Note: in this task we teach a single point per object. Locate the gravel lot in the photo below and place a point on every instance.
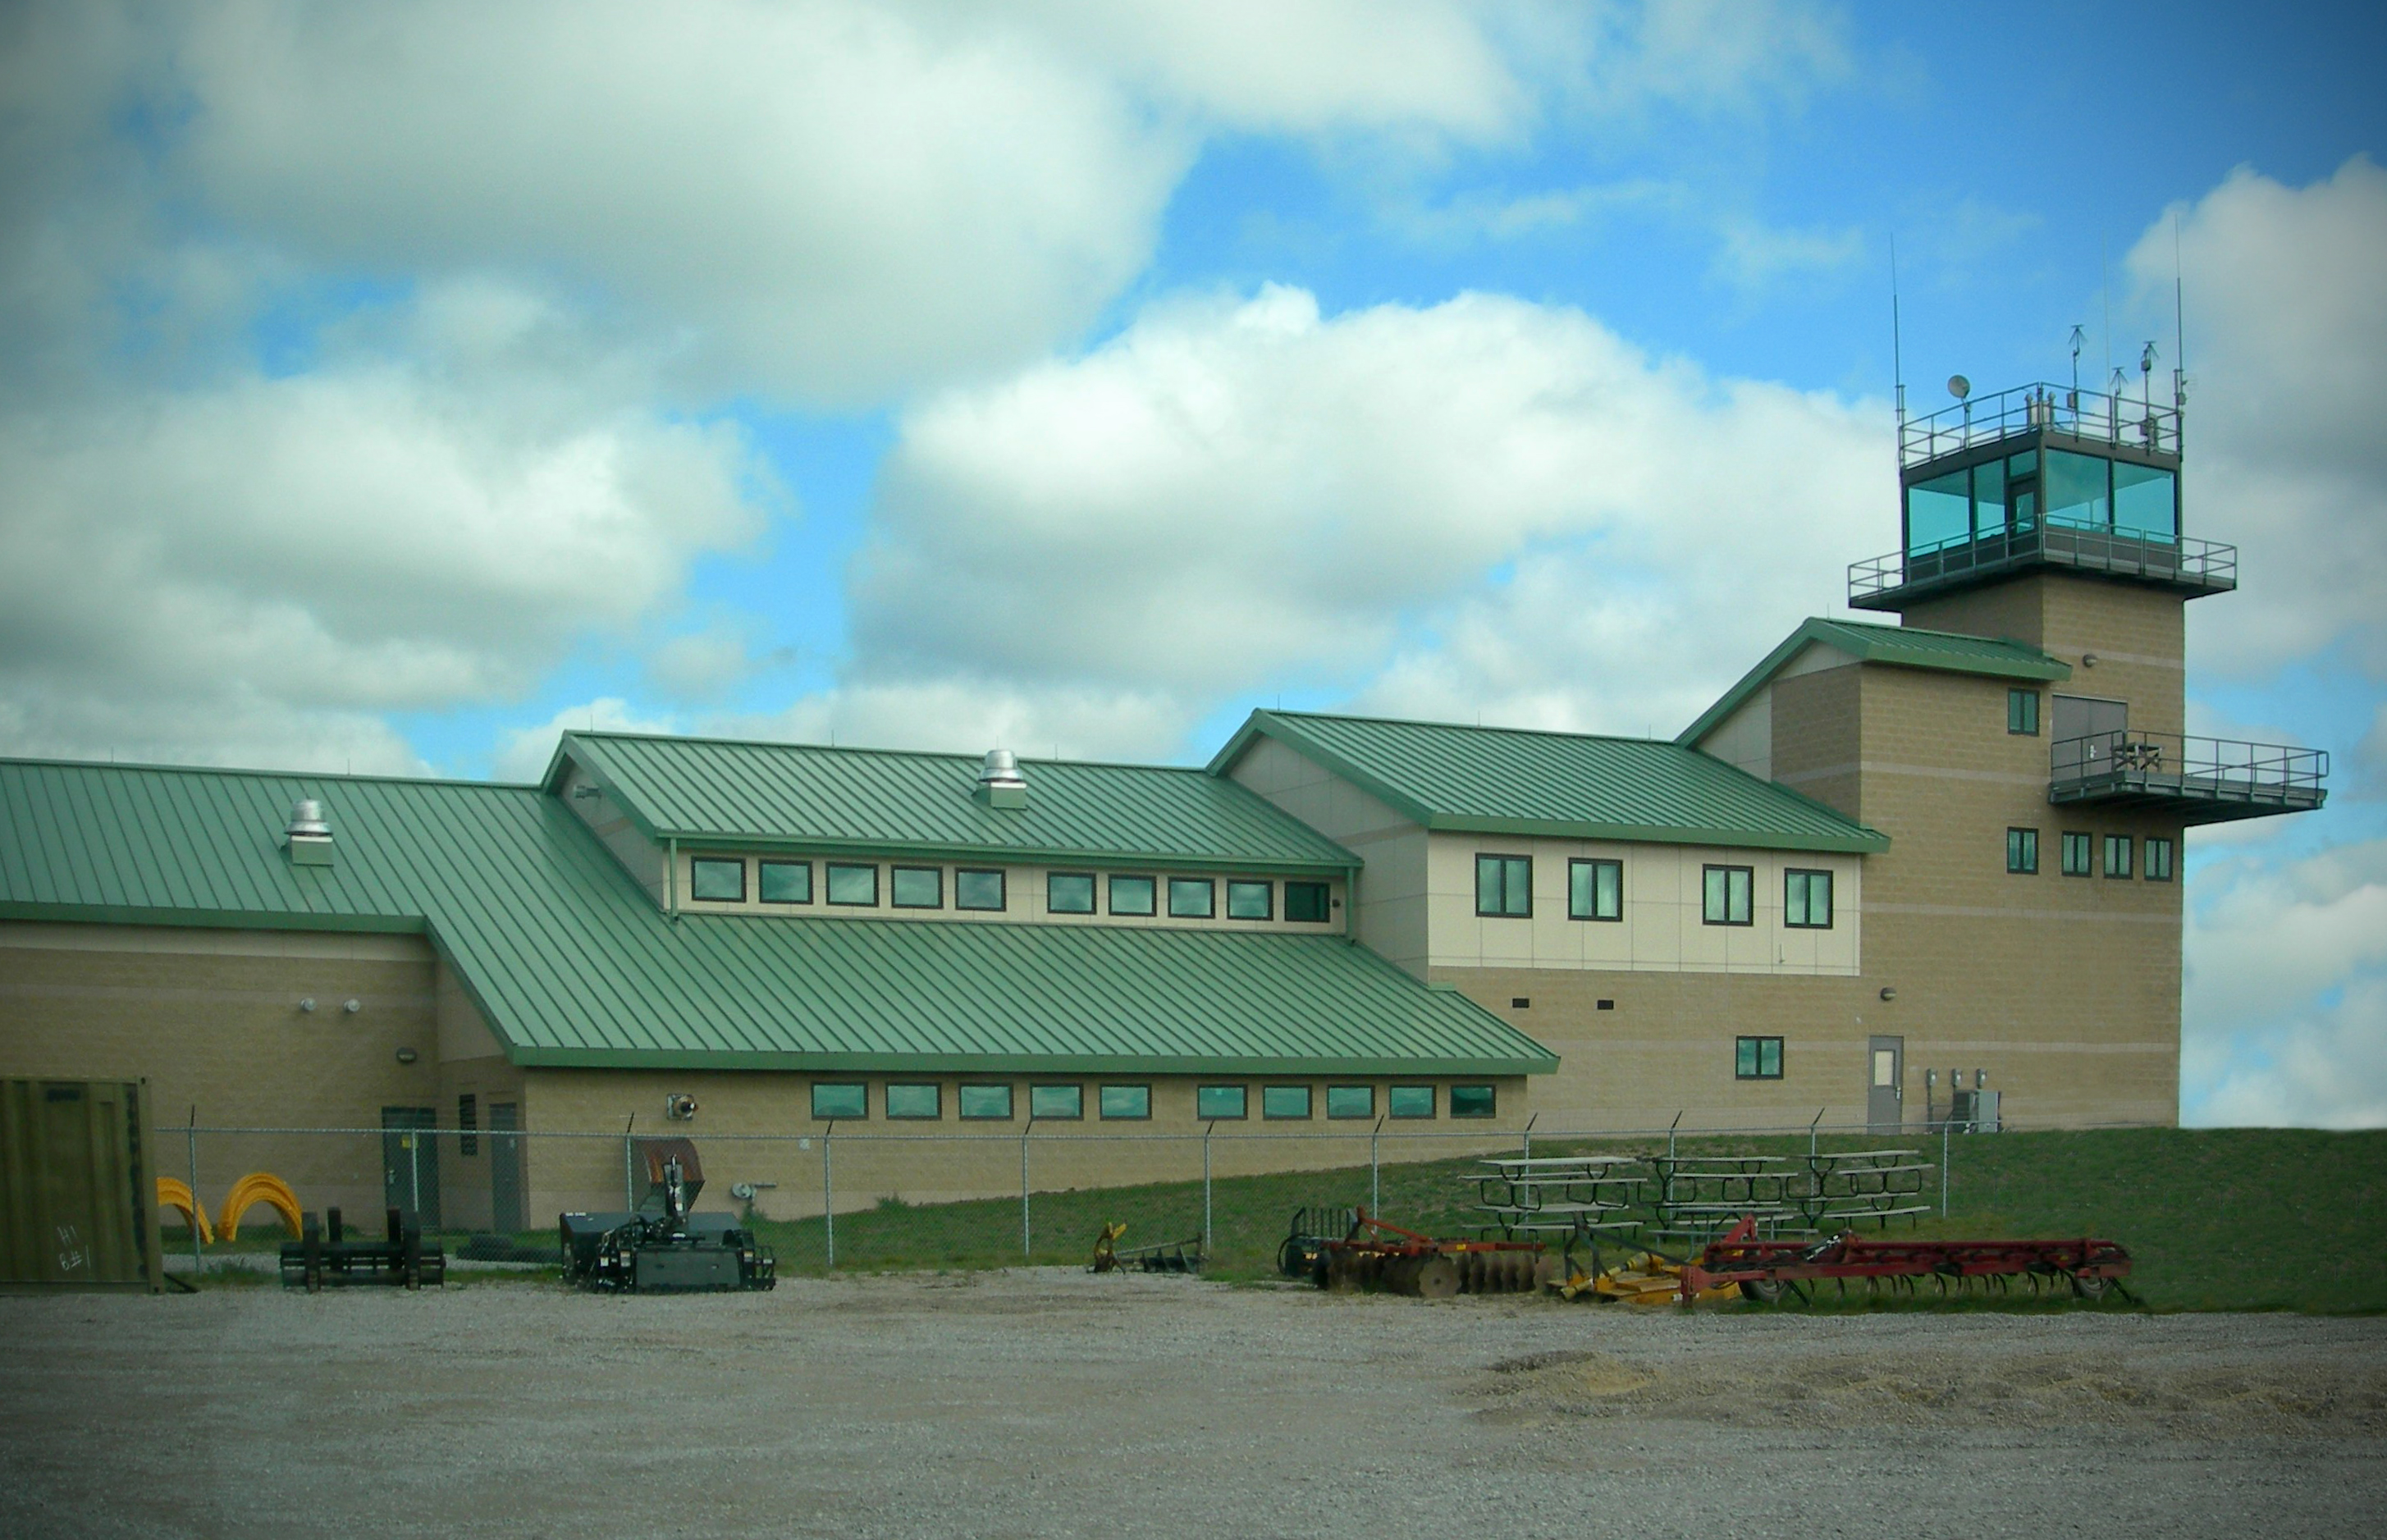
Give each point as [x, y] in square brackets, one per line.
[1049, 1403]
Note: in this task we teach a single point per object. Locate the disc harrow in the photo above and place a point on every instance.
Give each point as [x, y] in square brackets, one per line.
[1375, 1255]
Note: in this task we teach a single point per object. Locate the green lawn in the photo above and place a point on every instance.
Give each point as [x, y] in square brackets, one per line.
[2217, 1218]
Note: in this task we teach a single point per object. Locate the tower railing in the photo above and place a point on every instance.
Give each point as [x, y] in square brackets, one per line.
[2201, 566]
[2089, 416]
[2130, 758]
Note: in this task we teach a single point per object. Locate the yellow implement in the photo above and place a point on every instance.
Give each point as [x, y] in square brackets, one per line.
[1645, 1280]
[252, 1190]
[172, 1192]
[1106, 1249]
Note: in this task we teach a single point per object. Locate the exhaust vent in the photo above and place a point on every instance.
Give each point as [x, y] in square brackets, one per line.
[999, 784]
[309, 838]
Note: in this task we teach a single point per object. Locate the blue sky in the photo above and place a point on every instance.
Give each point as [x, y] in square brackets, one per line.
[387, 388]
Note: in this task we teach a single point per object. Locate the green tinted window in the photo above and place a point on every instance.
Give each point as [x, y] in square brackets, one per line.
[2077, 491]
[841, 1099]
[1127, 1101]
[916, 1098]
[978, 889]
[1060, 1103]
[852, 885]
[1504, 886]
[986, 1102]
[1725, 900]
[918, 887]
[2075, 854]
[1807, 900]
[1132, 895]
[1251, 901]
[717, 881]
[1284, 1101]
[1596, 889]
[1069, 892]
[1350, 1100]
[1938, 512]
[2159, 853]
[2145, 502]
[1989, 499]
[1220, 1100]
[1409, 1101]
[1472, 1101]
[2022, 851]
[2117, 854]
[1193, 898]
[1757, 1058]
[786, 881]
[1306, 901]
[2022, 712]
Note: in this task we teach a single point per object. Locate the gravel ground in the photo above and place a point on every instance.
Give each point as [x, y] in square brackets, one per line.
[1051, 1403]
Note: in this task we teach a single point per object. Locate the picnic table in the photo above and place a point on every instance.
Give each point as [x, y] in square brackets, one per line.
[1851, 1186]
[1557, 1194]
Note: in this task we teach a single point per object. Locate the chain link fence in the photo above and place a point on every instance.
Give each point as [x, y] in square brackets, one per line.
[871, 1200]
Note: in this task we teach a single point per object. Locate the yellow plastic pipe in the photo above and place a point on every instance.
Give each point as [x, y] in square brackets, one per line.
[253, 1189]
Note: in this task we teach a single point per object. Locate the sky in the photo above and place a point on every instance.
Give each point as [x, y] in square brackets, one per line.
[387, 388]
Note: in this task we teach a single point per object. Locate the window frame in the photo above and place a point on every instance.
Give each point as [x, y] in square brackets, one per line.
[1791, 876]
[1268, 898]
[1307, 1114]
[697, 864]
[894, 871]
[1093, 892]
[2168, 849]
[1509, 866]
[1594, 864]
[820, 1117]
[2086, 846]
[1077, 1090]
[1754, 1047]
[1392, 1094]
[936, 1090]
[1210, 887]
[1001, 891]
[1367, 1112]
[829, 883]
[2124, 846]
[2022, 851]
[1102, 1102]
[1242, 1094]
[1747, 876]
[962, 1101]
[1325, 891]
[763, 869]
[2022, 712]
[1491, 1099]
[1110, 896]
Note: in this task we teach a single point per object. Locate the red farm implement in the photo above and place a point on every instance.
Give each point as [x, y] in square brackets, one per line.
[1766, 1269]
[1374, 1254]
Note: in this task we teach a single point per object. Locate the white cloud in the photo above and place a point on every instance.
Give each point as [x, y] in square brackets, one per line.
[2287, 340]
[523, 754]
[2286, 1003]
[960, 714]
[1238, 494]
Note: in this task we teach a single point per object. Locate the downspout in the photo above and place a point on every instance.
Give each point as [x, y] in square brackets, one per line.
[670, 879]
[1351, 904]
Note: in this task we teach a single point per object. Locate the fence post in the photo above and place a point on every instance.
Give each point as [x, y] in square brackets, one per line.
[198, 1258]
[414, 1176]
[1528, 1152]
[1208, 1245]
[828, 1196]
[1943, 1168]
[1026, 1248]
[629, 1193]
[1375, 1168]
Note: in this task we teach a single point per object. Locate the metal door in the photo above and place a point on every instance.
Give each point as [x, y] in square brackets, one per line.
[2084, 734]
[505, 1169]
[409, 1164]
[1885, 1084]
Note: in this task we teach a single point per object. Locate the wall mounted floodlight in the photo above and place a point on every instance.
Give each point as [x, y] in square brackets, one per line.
[1888, 992]
[307, 1004]
[352, 1006]
[407, 1055]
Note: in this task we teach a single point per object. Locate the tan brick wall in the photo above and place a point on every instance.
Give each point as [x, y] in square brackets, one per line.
[922, 1161]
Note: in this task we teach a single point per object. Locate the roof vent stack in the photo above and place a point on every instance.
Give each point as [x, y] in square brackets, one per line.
[999, 784]
[309, 838]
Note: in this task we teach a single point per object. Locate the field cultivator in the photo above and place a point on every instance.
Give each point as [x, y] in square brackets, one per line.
[1374, 1254]
[1766, 1269]
[1178, 1257]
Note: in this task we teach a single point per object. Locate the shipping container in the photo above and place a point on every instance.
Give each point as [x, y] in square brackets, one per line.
[77, 1186]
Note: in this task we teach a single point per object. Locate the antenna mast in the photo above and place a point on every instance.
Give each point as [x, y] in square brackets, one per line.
[2178, 327]
[1897, 355]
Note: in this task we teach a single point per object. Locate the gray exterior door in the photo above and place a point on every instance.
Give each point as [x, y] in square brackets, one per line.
[505, 1169]
[1885, 1084]
[2085, 732]
[409, 1164]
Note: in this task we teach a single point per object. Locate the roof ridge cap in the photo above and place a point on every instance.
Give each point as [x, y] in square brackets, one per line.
[1473, 726]
[961, 754]
[370, 778]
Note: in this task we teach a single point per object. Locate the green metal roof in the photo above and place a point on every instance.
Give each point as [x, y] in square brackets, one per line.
[706, 790]
[1902, 646]
[1504, 781]
[572, 963]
